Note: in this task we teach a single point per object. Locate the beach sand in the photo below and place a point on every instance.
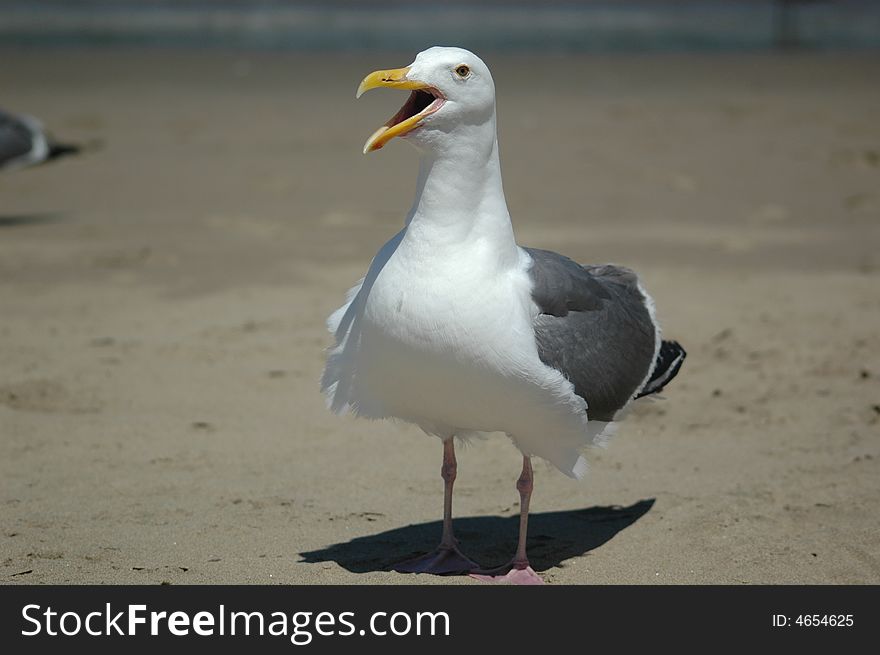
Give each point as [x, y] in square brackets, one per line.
[163, 297]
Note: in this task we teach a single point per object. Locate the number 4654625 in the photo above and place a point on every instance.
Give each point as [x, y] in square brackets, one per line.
[831, 620]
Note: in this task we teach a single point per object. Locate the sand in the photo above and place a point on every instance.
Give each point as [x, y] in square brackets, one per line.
[163, 296]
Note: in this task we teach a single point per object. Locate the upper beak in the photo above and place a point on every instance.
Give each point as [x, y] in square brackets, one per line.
[410, 115]
[394, 78]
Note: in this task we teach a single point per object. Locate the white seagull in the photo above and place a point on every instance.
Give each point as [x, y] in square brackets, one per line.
[461, 331]
[24, 142]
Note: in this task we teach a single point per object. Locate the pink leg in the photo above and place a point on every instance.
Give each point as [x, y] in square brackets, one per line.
[447, 559]
[517, 571]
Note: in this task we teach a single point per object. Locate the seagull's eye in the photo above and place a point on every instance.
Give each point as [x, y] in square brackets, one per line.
[462, 71]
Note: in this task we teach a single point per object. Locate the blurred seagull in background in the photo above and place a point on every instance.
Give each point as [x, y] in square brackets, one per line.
[24, 142]
[459, 330]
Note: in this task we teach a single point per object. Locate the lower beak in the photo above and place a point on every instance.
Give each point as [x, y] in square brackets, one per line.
[423, 102]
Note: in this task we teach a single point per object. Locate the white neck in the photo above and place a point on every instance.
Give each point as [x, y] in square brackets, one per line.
[460, 197]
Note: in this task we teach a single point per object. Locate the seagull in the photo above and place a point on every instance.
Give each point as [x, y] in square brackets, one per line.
[24, 142]
[457, 329]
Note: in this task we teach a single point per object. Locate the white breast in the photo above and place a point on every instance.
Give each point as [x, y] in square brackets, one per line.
[447, 343]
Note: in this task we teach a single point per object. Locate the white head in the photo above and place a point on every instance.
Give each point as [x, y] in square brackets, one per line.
[452, 100]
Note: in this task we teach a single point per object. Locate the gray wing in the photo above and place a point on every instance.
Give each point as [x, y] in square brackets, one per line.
[16, 139]
[595, 328]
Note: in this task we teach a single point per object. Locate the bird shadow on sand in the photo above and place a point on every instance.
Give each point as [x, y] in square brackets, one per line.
[554, 537]
[18, 220]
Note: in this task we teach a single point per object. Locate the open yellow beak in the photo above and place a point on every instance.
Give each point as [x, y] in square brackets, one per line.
[423, 102]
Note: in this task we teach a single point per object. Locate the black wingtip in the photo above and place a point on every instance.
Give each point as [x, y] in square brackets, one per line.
[669, 361]
[57, 150]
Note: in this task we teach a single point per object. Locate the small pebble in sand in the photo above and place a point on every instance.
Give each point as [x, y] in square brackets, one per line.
[726, 333]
